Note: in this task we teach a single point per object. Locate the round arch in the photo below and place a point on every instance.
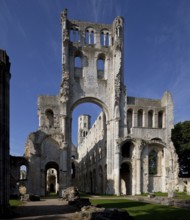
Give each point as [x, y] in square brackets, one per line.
[90, 100]
[51, 177]
[125, 178]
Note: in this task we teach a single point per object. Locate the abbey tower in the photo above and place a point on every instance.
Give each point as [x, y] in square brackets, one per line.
[128, 149]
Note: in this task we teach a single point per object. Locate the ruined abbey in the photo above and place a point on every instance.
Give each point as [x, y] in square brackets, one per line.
[128, 149]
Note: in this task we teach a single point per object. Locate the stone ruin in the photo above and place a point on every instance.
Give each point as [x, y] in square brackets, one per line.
[91, 212]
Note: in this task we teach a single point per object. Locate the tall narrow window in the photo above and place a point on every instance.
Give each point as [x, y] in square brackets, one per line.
[129, 119]
[140, 118]
[74, 34]
[89, 36]
[160, 119]
[50, 118]
[23, 172]
[100, 66]
[78, 65]
[104, 38]
[150, 119]
[152, 162]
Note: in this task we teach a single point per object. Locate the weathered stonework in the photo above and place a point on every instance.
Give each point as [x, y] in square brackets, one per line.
[128, 150]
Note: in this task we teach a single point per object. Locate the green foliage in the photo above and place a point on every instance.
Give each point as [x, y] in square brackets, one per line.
[181, 137]
[181, 140]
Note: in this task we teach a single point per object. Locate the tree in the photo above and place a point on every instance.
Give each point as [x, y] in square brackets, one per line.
[181, 140]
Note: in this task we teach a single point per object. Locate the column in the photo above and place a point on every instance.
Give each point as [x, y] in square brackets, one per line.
[117, 170]
[138, 176]
[134, 118]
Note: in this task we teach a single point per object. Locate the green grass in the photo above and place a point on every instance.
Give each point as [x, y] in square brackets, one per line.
[15, 202]
[179, 195]
[156, 193]
[144, 211]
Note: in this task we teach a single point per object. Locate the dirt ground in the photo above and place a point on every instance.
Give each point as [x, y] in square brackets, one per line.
[45, 209]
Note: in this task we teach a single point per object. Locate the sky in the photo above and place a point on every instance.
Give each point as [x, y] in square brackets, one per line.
[157, 53]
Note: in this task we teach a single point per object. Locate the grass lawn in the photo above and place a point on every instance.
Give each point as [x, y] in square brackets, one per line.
[15, 202]
[145, 211]
[178, 195]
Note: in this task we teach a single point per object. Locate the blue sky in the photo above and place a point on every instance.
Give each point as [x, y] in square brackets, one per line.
[157, 52]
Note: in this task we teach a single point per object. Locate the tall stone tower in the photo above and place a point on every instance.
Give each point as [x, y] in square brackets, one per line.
[83, 127]
[4, 132]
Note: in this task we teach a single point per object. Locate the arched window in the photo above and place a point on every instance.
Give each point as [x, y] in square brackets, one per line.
[23, 172]
[150, 119]
[104, 38]
[152, 162]
[50, 118]
[140, 118]
[89, 36]
[129, 119]
[160, 119]
[74, 34]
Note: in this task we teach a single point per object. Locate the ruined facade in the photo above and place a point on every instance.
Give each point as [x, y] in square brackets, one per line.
[4, 131]
[128, 150]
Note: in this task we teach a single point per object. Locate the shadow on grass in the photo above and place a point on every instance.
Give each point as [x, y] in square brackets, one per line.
[141, 211]
[42, 209]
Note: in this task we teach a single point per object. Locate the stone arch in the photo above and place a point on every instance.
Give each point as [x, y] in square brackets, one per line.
[93, 100]
[51, 183]
[125, 181]
[151, 160]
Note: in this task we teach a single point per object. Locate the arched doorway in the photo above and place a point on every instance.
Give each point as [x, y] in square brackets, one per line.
[125, 175]
[51, 178]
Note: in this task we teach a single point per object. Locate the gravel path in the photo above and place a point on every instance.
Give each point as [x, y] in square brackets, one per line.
[45, 209]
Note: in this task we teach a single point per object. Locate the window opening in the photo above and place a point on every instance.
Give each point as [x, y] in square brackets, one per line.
[74, 35]
[78, 62]
[152, 159]
[50, 118]
[160, 119]
[89, 36]
[104, 38]
[140, 118]
[150, 119]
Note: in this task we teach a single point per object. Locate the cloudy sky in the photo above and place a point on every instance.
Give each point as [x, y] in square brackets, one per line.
[157, 52]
